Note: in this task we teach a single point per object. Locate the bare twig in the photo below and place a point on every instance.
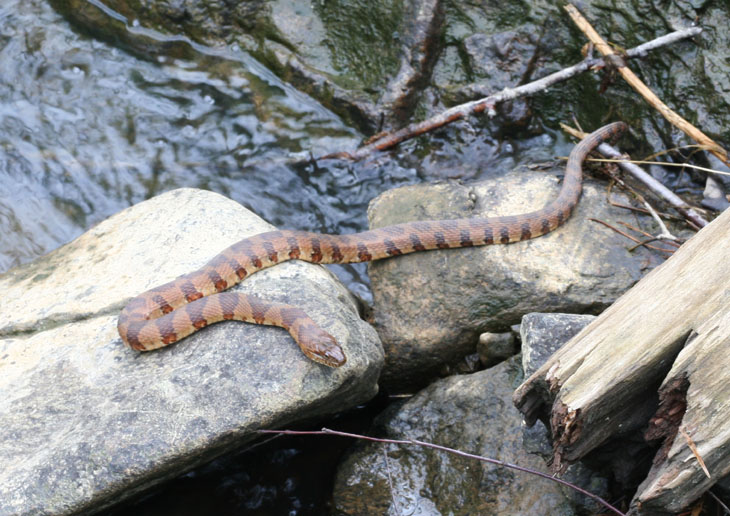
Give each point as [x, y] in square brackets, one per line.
[327, 431]
[674, 243]
[615, 229]
[488, 103]
[722, 504]
[629, 76]
[643, 210]
[643, 243]
[655, 186]
[668, 164]
[623, 233]
[664, 234]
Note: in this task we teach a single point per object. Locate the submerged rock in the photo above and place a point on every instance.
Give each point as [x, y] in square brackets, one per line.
[364, 60]
[431, 307]
[380, 64]
[86, 422]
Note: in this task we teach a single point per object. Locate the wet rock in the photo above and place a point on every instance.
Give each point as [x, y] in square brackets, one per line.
[472, 413]
[542, 334]
[493, 348]
[500, 61]
[714, 196]
[430, 307]
[85, 421]
[503, 57]
[378, 63]
[417, 48]
[369, 73]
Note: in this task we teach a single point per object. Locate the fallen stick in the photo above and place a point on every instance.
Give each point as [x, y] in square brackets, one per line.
[488, 103]
[641, 88]
[626, 235]
[655, 186]
[672, 328]
[652, 184]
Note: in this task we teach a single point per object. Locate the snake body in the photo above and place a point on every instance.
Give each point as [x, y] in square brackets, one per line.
[170, 312]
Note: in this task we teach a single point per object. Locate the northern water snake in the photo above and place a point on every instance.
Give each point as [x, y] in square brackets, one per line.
[170, 312]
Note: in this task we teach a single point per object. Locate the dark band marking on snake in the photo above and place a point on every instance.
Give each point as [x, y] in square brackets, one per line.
[173, 311]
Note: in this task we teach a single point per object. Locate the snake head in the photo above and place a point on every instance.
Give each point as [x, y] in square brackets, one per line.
[320, 346]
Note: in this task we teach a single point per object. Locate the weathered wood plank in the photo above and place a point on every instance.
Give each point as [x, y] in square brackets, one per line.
[604, 381]
[699, 381]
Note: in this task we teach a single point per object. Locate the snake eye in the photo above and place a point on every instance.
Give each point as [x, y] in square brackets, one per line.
[320, 346]
[335, 356]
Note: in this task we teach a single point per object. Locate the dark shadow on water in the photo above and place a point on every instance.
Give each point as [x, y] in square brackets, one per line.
[292, 475]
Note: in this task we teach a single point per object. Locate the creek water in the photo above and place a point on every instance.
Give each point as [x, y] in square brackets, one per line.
[87, 129]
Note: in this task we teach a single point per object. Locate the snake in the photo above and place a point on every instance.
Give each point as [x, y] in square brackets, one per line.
[170, 312]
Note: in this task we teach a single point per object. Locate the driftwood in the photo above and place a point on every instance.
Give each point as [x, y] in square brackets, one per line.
[658, 360]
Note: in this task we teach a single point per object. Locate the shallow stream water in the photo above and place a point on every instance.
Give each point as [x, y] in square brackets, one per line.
[87, 129]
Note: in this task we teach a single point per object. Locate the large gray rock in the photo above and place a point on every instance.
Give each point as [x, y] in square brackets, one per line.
[85, 421]
[431, 307]
[471, 413]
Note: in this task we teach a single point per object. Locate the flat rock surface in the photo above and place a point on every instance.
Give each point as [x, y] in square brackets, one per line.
[86, 422]
[431, 307]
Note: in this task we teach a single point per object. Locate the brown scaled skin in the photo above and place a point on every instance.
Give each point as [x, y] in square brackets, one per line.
[170, 312]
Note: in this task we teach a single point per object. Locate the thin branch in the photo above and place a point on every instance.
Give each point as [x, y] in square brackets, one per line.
[674, 243]
[664, 234]
[652, 184]
[488, 103]
[641, 88]
[327, 431]
[614, 228]
[643, 210]
[393, 494]
[655, 186]
[643, 243]
[623, 233]
[714, 496]
[666, 164]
